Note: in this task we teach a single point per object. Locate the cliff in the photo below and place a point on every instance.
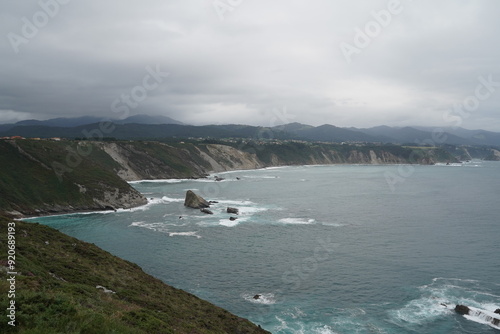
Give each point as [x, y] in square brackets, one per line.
[64, 285]
[52, 177]
[44, 177]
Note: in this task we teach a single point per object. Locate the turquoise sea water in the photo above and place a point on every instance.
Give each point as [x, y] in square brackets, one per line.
[329, 249]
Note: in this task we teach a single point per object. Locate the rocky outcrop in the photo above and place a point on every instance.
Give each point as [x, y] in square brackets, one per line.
[462, 309]
[194, 201]
[483, 315]
[114, 198]
[233, 210]
[205, 210]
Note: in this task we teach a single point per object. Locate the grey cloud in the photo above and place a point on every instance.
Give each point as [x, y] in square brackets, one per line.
[262, 56]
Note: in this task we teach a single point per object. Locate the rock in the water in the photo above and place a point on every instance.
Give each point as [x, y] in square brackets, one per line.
[256, 297]
[497, 311]
[194, 201]
[462, 309]
[232, 218]
[204, 210]
[232, 210]
[219, 178]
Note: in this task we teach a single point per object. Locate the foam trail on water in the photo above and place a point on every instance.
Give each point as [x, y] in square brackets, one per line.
[158, 181]
[228, 223]
[185, 234]
[157, 227]
[297, 221]
[170, 199]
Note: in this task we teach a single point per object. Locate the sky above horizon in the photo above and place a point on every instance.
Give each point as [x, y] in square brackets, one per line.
[346, 63]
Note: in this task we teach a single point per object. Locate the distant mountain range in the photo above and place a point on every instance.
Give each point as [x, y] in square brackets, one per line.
[156, 127]
[66, 122]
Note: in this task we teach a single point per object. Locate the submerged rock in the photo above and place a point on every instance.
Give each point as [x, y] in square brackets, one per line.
[208, 212]
[232, 218]
[194, 201]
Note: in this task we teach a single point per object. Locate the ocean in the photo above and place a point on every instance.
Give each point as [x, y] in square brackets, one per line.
[322, 249]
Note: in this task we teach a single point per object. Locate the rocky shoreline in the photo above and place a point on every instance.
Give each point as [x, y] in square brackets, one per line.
[45, 178]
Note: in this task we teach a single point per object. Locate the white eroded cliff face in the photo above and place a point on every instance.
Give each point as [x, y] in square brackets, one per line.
[154, 160]
[116, 153]
[223, 158]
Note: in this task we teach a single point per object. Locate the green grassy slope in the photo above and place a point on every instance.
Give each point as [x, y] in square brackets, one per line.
[56, 292]
[45, 176]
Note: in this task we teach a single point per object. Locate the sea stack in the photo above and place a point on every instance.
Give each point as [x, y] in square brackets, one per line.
[462, 309]
[195, 201]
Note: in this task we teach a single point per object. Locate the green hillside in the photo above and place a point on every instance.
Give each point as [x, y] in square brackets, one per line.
[55, 292]
[47, 176]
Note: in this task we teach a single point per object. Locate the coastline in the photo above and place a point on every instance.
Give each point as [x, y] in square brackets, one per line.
[209, 174]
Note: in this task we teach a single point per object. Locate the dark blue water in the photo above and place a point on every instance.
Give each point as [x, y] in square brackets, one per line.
[329, 249]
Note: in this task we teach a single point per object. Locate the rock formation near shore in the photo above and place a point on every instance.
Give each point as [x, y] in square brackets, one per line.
[195, 201]
[232, 210]
[484, 315]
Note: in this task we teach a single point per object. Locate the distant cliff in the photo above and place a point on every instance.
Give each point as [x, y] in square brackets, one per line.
[43, 176]
[154, 160]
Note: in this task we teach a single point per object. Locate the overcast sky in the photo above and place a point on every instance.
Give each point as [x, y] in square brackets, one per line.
[258, 62]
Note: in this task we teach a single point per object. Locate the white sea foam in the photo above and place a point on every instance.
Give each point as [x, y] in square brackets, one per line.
[170, 199]
[261, 177]
[202, 180]
[157, 227]
[234, 202]
[325, 330]
[422, 310]
[158, 181]
[185, 234]
[482, 316]
[297, 221]
[440, 164]
[250, 210]
[229, 223]
[264, 298]
[333, 224]
[276, 167]
[440, 298]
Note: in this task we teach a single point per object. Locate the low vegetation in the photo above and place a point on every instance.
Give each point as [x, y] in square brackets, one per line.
[55, 292]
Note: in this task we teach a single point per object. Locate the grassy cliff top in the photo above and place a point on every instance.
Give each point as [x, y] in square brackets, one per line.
[55, 291]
